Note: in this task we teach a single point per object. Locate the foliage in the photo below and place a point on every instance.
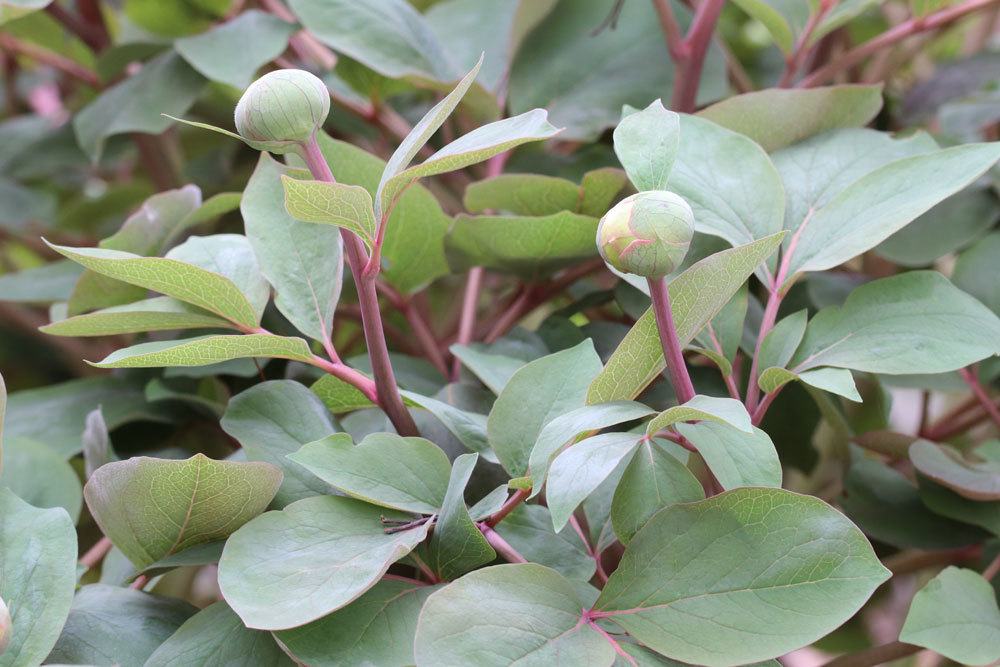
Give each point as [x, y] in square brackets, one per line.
[491, 332]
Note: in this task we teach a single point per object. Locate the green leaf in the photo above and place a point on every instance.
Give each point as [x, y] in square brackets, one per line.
[322, 552]
[916, 322]
[205, 350]
[273, 419]
[404, 46]
[951, 225]
[541, 621]
[886, 506]
[532, 195]
[416, 138]
[407, 474]
[780, 343]
[529, 247]
[779, 117]
[413, 249]
[726, 411]
[230, 256]
[103, 617]
[600, 187]
[975, 480]
[303, 262]
[457, 545]
[784, 20]
[580, 469]
[476, 146]
[946, 502]
[377, 629]
[736, 458]
[535, 395]
[871, 209]
[758, 558]
[151, 508]
[216, 636]
[583, 70]
[840, 14]
[164, 85]
[646, 143]
[529, 530]
[337, 204]
[837, 381]
[340, 396]
[654, 479]
[40, 476]
[468, 427]
[734, 190]
[15, 9]
[956, 615]
[156, 314]
[494, 366]
[697, 295]
[181, 280]
[56, 414]
[566, 428]
[38, 560]
[975, 271]
[42, 284]
[221, 54]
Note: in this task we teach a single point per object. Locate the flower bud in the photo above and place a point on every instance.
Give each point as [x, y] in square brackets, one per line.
[647, 234]
[282, 110]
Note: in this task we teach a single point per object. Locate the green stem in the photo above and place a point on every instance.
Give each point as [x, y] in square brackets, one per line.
[371, 316]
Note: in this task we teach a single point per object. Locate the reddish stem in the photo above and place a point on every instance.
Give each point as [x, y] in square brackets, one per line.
[673, 353]
[980, 393]
[139, 582]
[500, 545]
[467, 320]
[371, 316]
[892, 36]
[96, 553]
[42, 55]
[687, 75]
[794, 62]
[515, 499]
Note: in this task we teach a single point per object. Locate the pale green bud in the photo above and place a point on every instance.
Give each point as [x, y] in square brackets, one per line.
[282, 110]
[647, 234]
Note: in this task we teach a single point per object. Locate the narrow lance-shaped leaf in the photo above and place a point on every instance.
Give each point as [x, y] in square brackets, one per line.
[476, 146]
[758, 558]
[171, 277]
[419, 136]
[839, 381]
[206, 350]
[161, 313]
[337, 204]
[646, 144]
[696, 296]
[151, 508]
[285, 569]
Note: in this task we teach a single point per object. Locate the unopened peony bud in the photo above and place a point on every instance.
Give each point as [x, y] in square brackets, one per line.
[647, 234]
[282, 110]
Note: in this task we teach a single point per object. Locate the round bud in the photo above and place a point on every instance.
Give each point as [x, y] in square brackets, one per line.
[647, 234]
[282, 110]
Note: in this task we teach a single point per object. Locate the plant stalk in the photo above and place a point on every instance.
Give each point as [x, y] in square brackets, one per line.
[371, 316]
[501, 546]
[969, 376]
[673, 353]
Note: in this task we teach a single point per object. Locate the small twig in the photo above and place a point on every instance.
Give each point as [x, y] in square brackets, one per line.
[905, 562]
[88, 33]
[969, 376]
[96, 553]
[509, 506]
[992, 569]
[794, 62]
[891, 37]
[43, 56]
[394, 526]
[876, 655]
[139, 582]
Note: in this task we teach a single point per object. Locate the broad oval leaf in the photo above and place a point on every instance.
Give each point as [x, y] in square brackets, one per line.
[152, 508]
[377, 628]
[736, 458]
[646, 144]
[529, 530]
[407, 474]
[215, 637]
[38, 561]
[916, 322]
[287, 568]
[337, 204]
[976, 480]
[541, 622]
[457, 544]
[726, 411]
[536, 394]
[751, 561]
[956, 615]
[40, 476]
